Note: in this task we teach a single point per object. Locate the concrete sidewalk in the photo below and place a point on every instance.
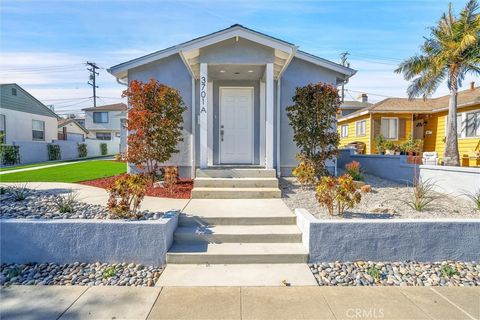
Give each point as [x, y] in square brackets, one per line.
[76, 302]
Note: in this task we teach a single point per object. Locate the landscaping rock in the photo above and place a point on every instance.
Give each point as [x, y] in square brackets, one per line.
[360, 273]
[95, 274]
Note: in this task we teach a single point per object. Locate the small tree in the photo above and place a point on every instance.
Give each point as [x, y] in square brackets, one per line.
[313, 118]
[154, 124]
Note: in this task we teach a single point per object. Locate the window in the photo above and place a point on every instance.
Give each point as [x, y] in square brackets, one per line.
[3, 132]
[473, 124]
[38, 130]
[344, 131]
[100, 117]
[360, 128]
[103, 135]
[389, 128]
[14, 91]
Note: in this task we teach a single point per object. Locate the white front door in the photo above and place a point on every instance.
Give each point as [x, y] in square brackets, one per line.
[236, 126]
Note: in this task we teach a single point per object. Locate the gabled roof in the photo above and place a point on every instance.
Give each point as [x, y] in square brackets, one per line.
[109, 107]
[189, 51]
[465, 98]
[64, 122]
[19, 105]
[352, 104]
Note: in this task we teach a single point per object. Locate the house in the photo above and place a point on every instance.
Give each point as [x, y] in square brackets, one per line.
[350, 106]
[236, 84]
[105, 122]
[399, 118]
[70, 130]
[23, 117]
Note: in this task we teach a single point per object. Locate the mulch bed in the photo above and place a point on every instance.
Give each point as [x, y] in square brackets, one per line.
[181, 190]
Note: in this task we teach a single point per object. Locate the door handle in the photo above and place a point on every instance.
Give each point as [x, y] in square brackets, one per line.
[221, 135]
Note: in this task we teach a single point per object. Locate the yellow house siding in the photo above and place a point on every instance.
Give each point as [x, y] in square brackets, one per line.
[408, 126]
[352, 137]
[436, 141]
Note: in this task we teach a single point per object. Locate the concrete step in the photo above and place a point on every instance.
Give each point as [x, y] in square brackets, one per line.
[236, 193]
[239, 233]
[234, 253]
[235, 173]
[210, 220]
[236, 183]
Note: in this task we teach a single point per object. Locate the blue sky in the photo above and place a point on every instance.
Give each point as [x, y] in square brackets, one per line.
[43, 44]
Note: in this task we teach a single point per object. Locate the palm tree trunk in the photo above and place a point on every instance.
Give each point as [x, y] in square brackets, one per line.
[450, 155]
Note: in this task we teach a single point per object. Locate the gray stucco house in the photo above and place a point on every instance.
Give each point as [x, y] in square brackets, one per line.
[236, 84]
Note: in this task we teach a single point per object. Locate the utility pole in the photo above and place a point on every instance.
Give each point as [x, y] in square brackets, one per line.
[93, 74]
[345, 63]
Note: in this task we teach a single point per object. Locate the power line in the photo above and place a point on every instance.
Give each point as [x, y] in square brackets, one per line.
[369, 93]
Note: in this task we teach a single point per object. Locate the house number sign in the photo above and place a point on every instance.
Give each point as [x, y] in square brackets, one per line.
[203, 93]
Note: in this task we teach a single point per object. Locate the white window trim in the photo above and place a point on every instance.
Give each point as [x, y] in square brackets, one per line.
[341, 131]
[356, 127]
[398, 127]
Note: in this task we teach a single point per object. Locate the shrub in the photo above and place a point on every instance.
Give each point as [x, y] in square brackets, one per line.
[475, 197]
[109, 272]
[82, 150]
[354, 170]
[304, 172]
[126, 194]
[312, 117]
[366, 188]
[374, 272]
[170, 177]
[65, 204]
[154, 124]
[448, 271]
[19, 192]
[422, 196]
[380, 143]
[339, 193]
[412, 145]
[389, 145]
[9, 155]
[103, 149]
[54, 152]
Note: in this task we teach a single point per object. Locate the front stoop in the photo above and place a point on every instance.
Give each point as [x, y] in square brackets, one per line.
[235, 183]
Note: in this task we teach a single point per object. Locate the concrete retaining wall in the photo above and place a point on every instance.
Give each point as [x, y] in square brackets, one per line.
[394, 168]
[455, 180]
[67, 241]
[389, 240]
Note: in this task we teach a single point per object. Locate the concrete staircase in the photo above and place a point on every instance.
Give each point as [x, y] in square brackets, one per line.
[235, 183]
[237, 231]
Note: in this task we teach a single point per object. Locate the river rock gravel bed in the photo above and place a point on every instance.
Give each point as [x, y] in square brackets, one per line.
[386, 201]
[81, 274]
[368, 273]
[39, 204]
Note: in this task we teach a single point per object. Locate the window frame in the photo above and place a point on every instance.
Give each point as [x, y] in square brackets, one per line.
[357, 134]
[103, 133]
[396, 131]
[100, 112]
[465, 120]
[4, 139]
[33, 136]
[341, 131]
[463, 128]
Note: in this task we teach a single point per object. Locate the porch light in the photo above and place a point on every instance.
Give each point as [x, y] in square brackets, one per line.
[250, 71]
[222, 71]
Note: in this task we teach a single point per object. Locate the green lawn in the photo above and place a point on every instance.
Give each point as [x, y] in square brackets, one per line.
[75, 172]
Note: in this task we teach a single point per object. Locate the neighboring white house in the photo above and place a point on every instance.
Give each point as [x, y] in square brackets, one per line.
[107, 123]
[71, 130]
[236, 84]
[23, 117]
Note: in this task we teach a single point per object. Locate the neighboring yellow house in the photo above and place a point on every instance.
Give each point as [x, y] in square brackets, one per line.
[398, 118]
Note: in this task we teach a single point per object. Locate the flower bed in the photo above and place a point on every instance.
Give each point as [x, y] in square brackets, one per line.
[81, 274]
[181, 190]
[387, 200]
[368, 273]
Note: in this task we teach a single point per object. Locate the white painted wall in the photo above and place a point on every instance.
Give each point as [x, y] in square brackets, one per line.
[93, 146]
[19, 126]
[454, 180]
[72, 128]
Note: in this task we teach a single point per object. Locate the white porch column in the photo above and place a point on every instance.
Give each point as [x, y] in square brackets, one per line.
[203, 115]
[269, 132]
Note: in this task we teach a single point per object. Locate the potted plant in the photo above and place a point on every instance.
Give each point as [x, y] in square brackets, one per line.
[380, 143]
[389, 146]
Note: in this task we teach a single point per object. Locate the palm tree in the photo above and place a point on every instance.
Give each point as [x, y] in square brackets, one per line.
[450, 53]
